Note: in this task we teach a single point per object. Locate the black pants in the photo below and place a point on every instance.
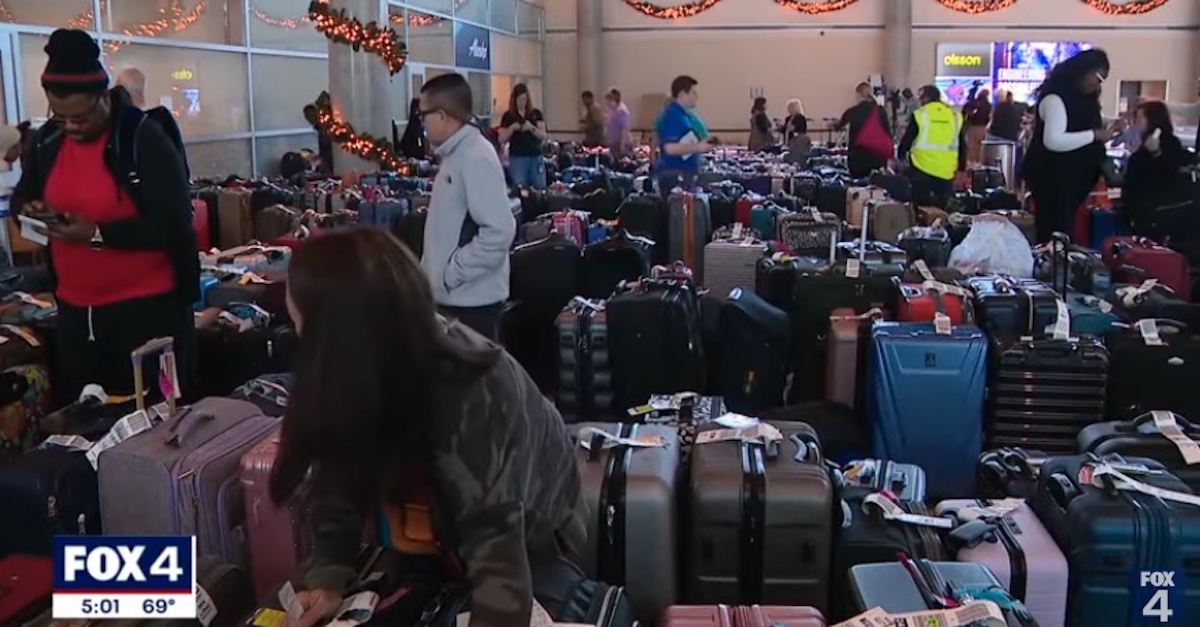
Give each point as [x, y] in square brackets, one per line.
[1055, 203]
[862, 163]
[669, 180]
[483, 320]
[929, 191]
[94, 343]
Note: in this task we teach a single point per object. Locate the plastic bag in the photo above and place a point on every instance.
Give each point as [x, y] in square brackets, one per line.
[993, 246]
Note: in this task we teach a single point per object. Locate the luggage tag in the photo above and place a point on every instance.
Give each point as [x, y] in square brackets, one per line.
[1165, 422]
[761, 431]
[1125, 482]
[892, 511]
[206, 608]
[971, 613]
[611, 440]
[853, 268]
[71, 442]
[1148, 328]
[23, 334]
[125, 428]
[1061, 329]
[737, 230]
[1099, 303]
[923, 269]
[942, 325]
[816, 214]
[30, 300]
[874, 617]
[733, 420]
[932, 285]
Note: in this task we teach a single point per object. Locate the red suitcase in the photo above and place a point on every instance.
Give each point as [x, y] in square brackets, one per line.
[741, 211]
[741, 616]
[1135, 259]
[201, 226]
[921, 304]
[25, 585]
[276, 534]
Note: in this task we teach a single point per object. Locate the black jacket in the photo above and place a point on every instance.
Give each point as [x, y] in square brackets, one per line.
[163, 197]
[1153, 181]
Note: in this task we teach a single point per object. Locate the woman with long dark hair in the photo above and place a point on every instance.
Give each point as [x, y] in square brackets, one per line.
[1152, 176]
[414, 144]
[414, 420]
[523, 128]
[760, 125]
[1066, 151]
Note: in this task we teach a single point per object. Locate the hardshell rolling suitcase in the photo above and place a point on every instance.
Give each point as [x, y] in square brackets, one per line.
[47, 492]
[1142, 359]
[942, 432]
[1013, 307]
[926, 302]
[183, 473]
[742, 616]
[893, 588]
[585, 387]
[631, 492]
[888, 219]
[655, 342]
[227, 587]
[689, 227]
[759, 520]
[844, 354]
[905, 481]
[930, 244]
[1163, 436]
[808, 231]
[732, 263]
[1109, 535]
[1020, 553]
[275, 534]
[754, 353]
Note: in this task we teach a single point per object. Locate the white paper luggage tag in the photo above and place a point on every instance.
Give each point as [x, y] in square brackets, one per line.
[1148, 327]
[853, 268]
[1165, 422]
[1125, 482]
[737, 230]
[125, 428]
[816, 214]
[892, 511]
[942, 325]
[72, 442]
[923, 269]
[1061, 329]
[23, 334]
[931, 285]
[355, 610]
[761, 431]
[206, 608]
[874, 617]
[610, 440]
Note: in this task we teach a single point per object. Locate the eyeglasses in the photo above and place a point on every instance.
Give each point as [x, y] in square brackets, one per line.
[1100, 77]
[424, 113]
[82, 117]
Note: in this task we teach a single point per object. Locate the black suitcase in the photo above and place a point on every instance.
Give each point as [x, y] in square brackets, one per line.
[585, 386]
[897, 186]
[754, 347]
[831, 198]
[929, 244]
[967, 202]
[228, 595]
[880, 257]
[986, 177]
[646, 215]
[227, 358]
[905, 481]
[759, 521]
[546, 273]
[655, 342]
[47, 492]
[1109, 534]
[607, 263]
[1009, 472]
[1140, 371]
[1133, 302]
[722, 210]
[1043, 392]
[775, 277]
[1006, 307]
[1142, 437]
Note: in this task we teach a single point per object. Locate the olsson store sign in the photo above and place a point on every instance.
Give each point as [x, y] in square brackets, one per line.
[965, 60]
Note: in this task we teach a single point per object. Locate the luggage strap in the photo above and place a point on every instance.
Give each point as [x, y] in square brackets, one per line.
[1018, 578]
[752, 532]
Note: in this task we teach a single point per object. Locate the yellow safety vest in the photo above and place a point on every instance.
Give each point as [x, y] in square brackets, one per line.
[936, 150]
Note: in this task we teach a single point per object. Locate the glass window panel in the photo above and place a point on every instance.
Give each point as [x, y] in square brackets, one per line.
[206, 89]
[270, 150]
[282, 24]
[502, 14]
[472, 10]
[445, 6]
[535, 92]
[399, 86]
[506, 54]
[481, 93]
[282, 86]
[430, 39]
[210, 21]
[530, 57]
[502, 85]
[33, 61]
[64, 13]
[216, 160]
[528, 19]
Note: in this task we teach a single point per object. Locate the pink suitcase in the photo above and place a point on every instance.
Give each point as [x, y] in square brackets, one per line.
[742, 616]
[1043, 588]
[276, 534]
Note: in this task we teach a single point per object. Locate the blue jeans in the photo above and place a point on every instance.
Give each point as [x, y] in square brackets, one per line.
[527, 172]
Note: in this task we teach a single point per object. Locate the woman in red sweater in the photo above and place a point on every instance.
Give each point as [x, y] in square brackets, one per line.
[121, 247]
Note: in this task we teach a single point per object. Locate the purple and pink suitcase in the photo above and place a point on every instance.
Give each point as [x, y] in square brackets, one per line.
[1023, 557]
[181, 477]
[275, 533]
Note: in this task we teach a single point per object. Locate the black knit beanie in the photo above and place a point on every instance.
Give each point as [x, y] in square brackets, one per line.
[74, 63]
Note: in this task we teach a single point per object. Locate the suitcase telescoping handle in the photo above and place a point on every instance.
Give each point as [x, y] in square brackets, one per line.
[165, 347]
[1060, 250]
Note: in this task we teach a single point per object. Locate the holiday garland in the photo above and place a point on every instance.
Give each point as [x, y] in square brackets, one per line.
[1133, 7]
[815, 7]
[337, 26]
[367, 147]
[975, 7]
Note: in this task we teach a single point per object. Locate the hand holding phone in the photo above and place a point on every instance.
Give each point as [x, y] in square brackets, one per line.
[48, 218]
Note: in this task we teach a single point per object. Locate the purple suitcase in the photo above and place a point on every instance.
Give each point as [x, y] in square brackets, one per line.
[1043, 586]
[181, 477]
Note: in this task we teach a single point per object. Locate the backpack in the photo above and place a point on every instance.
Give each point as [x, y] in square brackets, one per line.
[127, 128]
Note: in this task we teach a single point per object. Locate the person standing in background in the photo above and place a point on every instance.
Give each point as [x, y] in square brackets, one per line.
[523, 128]
[1006, 118]
[413, 144]
[681, 137]
[977, 114]
[870, 136]
[933, 143]
[324, 141]
[617, 137]
[795, 134]
[470, 227]
[134, 82]
[760, 126]
[592, 122]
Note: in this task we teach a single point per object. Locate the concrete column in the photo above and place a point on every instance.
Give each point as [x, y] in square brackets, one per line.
[589, 27]
[358, 86]
[897, 49]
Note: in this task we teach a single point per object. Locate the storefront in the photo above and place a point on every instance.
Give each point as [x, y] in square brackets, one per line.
[238, 73]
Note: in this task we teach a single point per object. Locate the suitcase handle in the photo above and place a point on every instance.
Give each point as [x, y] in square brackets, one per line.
[808, 450]
[1148, 418]
[1061, 490]
[1052, 348]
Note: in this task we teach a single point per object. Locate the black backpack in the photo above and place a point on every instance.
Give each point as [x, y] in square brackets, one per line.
[127, 128]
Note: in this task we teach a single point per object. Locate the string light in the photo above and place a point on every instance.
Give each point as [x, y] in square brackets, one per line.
[815, 8]
[366, 147]
[414, 18]
[677, 12]
[171, 18]
[976, 7]
[1134, 7]
[384, 42]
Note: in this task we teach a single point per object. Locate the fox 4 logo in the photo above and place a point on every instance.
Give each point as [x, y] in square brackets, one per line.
[1158, 596]
[120, 563]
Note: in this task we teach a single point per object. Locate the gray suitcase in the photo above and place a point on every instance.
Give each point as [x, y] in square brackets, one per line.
[759, 522]
[631, 493]
[585, 388]
[689, 227]
[731, 263]
[181, 476]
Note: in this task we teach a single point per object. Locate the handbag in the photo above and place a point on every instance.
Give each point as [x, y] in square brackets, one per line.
[874, 138]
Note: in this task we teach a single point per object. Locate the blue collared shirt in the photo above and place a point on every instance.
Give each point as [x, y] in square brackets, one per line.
[673, 124]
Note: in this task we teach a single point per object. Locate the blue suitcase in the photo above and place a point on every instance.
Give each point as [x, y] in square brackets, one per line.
[208, 280]
[925, 399]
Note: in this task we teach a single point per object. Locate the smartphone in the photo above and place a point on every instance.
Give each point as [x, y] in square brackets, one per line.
[1157, 133]
[47, 217]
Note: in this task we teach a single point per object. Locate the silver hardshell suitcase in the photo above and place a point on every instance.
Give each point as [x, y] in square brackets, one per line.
[181, 476]
[730, 263]
[631, 493]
